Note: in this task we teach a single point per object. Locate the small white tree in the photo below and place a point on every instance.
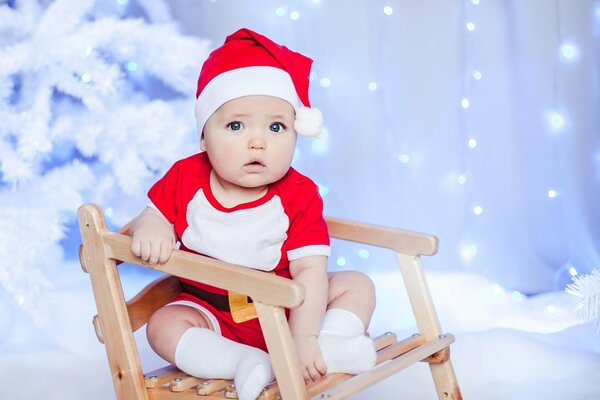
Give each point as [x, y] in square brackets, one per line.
[93, 106]
[587, 289]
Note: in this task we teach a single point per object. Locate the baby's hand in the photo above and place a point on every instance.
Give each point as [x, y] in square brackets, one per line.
[311, 361]
[153, 238]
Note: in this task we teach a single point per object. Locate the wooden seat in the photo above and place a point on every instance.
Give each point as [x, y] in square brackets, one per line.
[117, 318]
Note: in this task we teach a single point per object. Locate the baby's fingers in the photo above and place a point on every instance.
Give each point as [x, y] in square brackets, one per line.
[314, 374]
[165, 252]
[321, 367]
[145, 250]
[136, 247]
[154, 252]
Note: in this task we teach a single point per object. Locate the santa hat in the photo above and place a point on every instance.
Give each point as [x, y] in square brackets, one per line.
[251, 64]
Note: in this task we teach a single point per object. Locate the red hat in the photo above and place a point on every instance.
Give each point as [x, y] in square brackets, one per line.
[251, 64]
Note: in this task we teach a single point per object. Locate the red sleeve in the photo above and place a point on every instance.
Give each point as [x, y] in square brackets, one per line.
[308, 234]
[163, 193]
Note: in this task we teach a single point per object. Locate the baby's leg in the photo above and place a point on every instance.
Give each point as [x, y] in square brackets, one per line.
[342, 340]
[183, 336]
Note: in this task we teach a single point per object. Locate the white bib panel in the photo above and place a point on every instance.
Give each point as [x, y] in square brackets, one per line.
[250, 237]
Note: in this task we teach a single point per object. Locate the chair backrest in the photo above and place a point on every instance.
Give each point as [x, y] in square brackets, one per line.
[155, 295]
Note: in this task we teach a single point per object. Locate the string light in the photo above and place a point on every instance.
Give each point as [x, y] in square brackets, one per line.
[325, 82]
[468, 252]
[556, 121]
[404, 158]
[323, 190]
[295, 15]
[363, 253]
[568, 51]
[280, 11]
[497, 289]
[86, 77]
[552, 310]
[516, 295]
[341, 261]
[372, 86]
[387, 10]
[319, 145]
[132, 66]
[122, 2]
[551, 193]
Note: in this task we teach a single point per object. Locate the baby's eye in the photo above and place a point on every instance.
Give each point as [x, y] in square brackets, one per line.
[235, 125]
[277, 127]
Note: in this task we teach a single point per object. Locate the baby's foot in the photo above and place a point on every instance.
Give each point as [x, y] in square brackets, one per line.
[349, 355]
[252, 374]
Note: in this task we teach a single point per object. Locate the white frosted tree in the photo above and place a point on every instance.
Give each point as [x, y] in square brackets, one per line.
[587, 290]
[94, 105]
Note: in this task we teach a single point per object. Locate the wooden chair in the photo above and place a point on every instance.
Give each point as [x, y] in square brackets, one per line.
[117, 319]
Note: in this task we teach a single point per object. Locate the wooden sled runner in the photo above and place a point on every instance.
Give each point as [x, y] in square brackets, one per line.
[117, 318]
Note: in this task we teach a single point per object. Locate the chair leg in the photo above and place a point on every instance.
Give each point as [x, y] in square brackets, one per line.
[428, 324]
[282, 351]
[113, 320]
[445, 381]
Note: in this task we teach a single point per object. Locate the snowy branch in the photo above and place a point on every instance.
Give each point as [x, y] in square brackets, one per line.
[81, 81]
[587, 289]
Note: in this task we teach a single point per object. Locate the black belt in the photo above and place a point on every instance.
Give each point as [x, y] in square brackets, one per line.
[218, 301]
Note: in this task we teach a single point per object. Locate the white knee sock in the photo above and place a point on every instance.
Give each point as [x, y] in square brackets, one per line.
[343, 343]
[204, 353]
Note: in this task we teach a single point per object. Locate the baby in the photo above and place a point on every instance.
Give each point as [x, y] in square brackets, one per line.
[240, 201]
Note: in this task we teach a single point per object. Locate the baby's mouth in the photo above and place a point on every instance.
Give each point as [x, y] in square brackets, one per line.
[254, 165]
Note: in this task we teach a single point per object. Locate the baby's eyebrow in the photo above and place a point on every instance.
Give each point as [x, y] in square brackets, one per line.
[236, 115]
[277, 116]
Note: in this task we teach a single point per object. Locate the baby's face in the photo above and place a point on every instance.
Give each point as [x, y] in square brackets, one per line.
[250, 140]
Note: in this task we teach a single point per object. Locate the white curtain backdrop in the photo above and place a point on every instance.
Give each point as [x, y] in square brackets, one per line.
[509, 183]
[474, 120]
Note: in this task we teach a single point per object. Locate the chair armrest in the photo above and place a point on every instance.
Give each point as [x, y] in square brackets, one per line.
[401, 241]
[260, 286]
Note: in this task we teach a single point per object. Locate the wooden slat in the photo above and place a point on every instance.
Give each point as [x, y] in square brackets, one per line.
[163, 393]
[386, 369]
[162, 376]
[401, 241]
[182, 383]
[261, 287]
[399, 348]
[210, 386]
[155, 295]
[382, 344]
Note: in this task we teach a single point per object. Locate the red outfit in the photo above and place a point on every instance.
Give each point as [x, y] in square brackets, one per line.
[285, 224]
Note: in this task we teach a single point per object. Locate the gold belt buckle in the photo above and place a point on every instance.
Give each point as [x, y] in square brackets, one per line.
[241, 309]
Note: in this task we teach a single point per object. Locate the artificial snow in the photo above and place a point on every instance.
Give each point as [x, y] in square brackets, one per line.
[505, 348]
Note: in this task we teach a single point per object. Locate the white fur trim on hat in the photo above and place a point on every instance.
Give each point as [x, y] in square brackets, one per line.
[308, 121]
[247, 81]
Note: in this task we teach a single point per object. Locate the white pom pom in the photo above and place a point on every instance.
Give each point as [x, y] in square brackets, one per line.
[308, 121]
